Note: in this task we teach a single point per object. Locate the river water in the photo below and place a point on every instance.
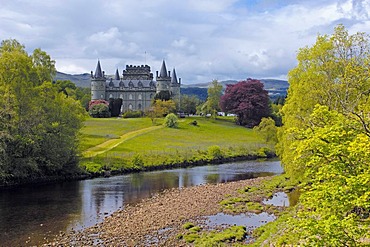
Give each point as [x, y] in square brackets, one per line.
[29, 215]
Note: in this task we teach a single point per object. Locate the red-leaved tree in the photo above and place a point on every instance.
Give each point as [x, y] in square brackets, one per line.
[248, 100]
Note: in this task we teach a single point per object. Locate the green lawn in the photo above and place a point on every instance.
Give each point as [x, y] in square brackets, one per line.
[133, 144]
[208, 132]
[99, 130]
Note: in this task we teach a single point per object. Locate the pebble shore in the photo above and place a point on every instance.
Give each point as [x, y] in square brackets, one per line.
[155, 221]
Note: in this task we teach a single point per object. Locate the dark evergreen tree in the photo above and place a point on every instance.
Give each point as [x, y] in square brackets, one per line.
[115, 107]
[163, 95]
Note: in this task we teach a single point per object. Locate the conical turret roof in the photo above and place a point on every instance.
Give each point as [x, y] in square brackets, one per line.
[174, 77]
[98, 71]
[117, 75]
[163, 72]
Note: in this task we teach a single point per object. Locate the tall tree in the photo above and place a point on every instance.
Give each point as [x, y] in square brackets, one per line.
[44, 66]
[39, 125]
[248, 100]
[160, 108]
[189, 104]
[333, 72]
[325, 142]
[212, 105]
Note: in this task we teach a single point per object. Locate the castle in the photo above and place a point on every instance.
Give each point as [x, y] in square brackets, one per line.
[135, 87]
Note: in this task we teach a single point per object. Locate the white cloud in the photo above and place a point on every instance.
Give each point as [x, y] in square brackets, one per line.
[203, 39]
[70, 68]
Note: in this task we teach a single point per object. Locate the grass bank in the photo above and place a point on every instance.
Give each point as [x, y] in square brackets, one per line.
[124, 145]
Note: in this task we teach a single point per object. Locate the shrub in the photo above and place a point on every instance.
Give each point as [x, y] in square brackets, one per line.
[195, 123]
[214, 152]
[132, 114]
[97, 102]
[264, 152]
[99, 111]
[171, 121]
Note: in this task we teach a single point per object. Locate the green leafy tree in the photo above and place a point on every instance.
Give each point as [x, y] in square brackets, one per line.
[333, 72]
[160, 108]
[40, 126]
[334, 207]
[188, 104]
[67, 87]
[44, 66]
[267, 129]
[325, 143]
[212, 105]
[163, 95]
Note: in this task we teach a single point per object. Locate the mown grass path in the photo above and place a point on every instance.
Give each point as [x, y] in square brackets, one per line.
[112, 143]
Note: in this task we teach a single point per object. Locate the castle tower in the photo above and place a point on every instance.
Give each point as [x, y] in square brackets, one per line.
[164, 79]
[98, 83]
[175, 85]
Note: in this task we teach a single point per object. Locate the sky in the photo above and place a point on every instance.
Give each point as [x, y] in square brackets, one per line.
[202, 39]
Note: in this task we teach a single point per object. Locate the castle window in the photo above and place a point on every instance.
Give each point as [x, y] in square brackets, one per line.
[140, 84]
[131, 85]
[139, 106]
[102, 96]
[140, 97]
[151, 96]
[121, 96]
[130, 96]
[111, 96]
[130, 107]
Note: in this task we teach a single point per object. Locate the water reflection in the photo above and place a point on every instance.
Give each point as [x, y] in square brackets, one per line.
[279, 199]
[35, 212]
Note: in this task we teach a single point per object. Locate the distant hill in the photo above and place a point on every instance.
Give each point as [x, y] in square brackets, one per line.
[200, 92]
[270, 84]
[274, 87]
[81, 80]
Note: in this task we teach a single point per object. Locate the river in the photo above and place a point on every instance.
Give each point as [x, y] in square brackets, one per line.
[30, 214]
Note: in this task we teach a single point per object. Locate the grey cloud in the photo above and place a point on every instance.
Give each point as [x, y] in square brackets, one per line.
[203, 39]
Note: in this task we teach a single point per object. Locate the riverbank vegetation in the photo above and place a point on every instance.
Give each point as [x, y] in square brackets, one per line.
[324, 145]
[140, 146]
[38, 123]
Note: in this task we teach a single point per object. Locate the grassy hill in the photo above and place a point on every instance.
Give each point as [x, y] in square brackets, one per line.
[135, 144]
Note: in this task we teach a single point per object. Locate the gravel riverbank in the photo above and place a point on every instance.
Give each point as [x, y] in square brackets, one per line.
[155, 221]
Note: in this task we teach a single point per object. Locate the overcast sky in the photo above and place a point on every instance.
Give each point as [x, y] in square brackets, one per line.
[202, 39]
